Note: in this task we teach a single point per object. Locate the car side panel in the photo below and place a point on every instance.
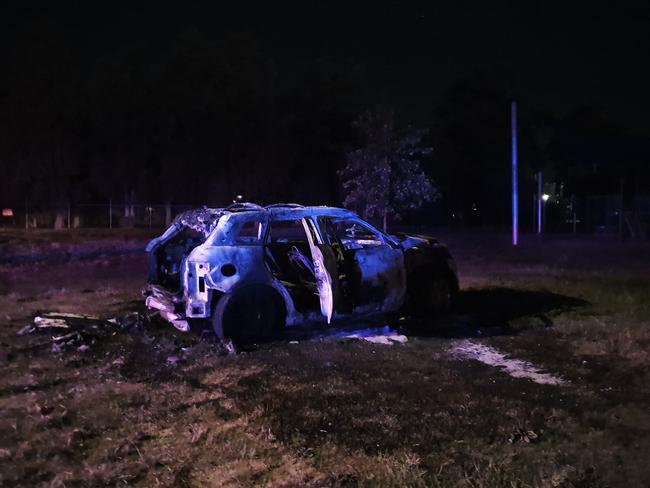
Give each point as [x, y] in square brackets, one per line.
[382, 278]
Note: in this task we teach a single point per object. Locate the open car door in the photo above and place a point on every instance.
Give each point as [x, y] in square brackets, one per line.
[324, 270]
[376, 278]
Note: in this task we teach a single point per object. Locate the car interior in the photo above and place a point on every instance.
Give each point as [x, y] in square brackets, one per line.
[168, 258]
[288, 257]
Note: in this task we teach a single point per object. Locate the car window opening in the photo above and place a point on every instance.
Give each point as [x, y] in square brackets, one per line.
[289, 259]
[354, 235]
[250, 233]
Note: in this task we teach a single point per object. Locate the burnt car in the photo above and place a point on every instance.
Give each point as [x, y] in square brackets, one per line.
[252, 270]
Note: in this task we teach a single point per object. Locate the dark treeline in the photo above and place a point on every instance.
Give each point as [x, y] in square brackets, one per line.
[195, 121]
[201, 118]
[581, 153]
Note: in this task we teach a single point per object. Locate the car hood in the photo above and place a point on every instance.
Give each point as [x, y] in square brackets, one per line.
[407, 241]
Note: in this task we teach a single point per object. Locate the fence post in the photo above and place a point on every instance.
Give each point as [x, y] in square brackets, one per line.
[168, 214]
[575, 214]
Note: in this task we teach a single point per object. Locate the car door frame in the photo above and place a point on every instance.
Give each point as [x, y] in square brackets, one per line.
[380, 266]
[323, 259]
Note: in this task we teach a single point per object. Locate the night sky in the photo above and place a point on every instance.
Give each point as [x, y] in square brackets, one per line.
[563, 54]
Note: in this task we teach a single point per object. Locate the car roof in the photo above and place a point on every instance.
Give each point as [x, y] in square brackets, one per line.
[205, 219]
[281, 210]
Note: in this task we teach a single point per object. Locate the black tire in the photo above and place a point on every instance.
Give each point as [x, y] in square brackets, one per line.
[434, 294]
[255, 313]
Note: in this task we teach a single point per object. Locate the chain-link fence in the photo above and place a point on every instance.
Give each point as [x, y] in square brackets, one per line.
[598, 214]
[93, 215]
[595, 214]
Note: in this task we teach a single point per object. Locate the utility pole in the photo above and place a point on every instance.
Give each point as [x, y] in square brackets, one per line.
[515, 203]
[539, 202]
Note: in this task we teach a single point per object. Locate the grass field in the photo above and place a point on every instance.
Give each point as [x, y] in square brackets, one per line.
[150, 406]
[18, 246]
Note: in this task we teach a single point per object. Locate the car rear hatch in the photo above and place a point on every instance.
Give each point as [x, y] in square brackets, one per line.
[168, 252]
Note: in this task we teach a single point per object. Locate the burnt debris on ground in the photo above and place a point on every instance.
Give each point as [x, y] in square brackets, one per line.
[76, 331]
[64, 332]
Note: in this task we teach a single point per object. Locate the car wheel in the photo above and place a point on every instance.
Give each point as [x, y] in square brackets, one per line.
[251, 314]
[439, 294]
[434, 295]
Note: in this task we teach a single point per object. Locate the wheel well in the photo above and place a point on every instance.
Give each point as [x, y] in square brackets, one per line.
[277, 297]
[422, 273]
[420, 280]
[227, 325]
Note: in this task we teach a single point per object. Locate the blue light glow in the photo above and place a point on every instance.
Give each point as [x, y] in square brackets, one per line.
[515, 195]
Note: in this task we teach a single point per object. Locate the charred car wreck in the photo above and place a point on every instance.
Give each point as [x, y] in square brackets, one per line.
[251, 270]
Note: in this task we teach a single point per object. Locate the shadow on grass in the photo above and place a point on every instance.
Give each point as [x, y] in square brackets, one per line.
[478, 313]
[506, 304]
[498, 311]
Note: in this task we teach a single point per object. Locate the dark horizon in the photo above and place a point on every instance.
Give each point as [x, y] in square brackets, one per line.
[156, 103]
[562, 56]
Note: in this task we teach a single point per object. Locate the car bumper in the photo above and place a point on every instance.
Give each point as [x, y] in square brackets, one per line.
[167, 305]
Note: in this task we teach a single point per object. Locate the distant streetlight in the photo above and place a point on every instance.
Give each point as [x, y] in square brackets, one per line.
[546, 196]
[238, 198]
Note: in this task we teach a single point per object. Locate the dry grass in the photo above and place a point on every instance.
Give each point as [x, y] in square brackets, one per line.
[328, 413]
